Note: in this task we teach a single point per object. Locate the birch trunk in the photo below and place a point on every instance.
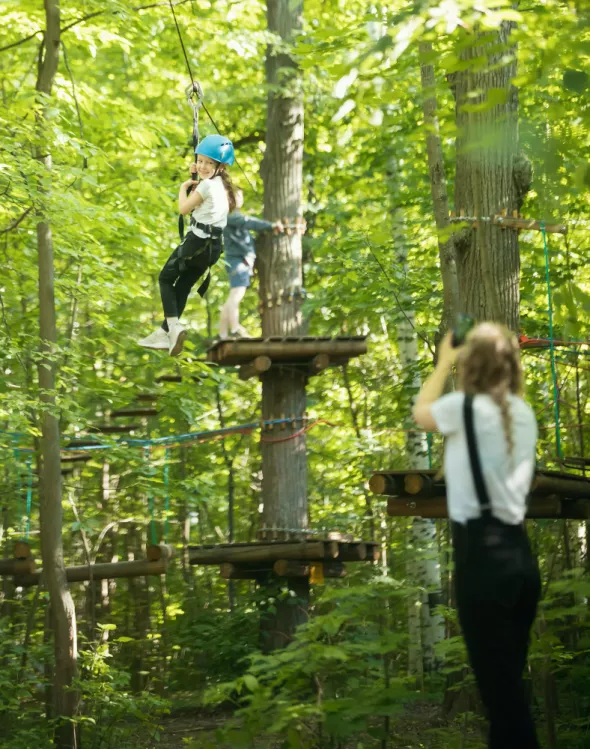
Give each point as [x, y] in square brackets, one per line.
[284, 464]
[426, 627]
[65, 699]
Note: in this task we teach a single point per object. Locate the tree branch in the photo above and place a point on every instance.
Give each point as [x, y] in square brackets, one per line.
[17, 221]
[88, 17]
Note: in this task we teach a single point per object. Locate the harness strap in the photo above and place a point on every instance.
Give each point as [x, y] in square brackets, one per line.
[480, 487]
[213, 231]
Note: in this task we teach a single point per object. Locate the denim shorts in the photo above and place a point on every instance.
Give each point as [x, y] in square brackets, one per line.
[239, 270]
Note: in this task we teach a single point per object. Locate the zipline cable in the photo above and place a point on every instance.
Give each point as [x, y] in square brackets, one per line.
[188, 65]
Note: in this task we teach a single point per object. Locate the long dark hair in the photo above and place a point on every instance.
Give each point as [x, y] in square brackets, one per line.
[221, 171]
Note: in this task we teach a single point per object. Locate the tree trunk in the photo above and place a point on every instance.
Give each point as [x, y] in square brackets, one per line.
[62, 606]
[488, 262]
[438, 189]
[284, 464]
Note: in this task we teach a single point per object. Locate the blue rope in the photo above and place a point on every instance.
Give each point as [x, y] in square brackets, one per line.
[551, 346]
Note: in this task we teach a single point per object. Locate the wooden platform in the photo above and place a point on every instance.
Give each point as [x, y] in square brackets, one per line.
[284, 558]
[554, 494]
[313, 354]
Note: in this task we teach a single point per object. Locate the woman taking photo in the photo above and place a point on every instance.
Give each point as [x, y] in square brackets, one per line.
[489, 465]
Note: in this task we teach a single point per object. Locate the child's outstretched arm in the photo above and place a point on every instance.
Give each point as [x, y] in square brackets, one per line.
[188, 203]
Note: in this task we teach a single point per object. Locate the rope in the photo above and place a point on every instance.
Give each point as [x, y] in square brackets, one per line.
[190, 72]
[29, 494]
[167, 494]
[150, 496]
[551, 343]
[299, 432]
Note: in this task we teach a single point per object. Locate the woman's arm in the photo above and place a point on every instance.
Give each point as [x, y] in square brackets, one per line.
[188, 203]
[434, 386]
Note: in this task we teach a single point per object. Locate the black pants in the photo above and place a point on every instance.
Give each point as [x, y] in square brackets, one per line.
[498, 587]
[189, 261]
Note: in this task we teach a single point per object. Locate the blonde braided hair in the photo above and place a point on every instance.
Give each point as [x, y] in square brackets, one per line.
[490, 364]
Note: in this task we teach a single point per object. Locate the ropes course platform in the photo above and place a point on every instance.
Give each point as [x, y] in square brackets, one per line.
[255, 356]
[554, 494]
[303, 558]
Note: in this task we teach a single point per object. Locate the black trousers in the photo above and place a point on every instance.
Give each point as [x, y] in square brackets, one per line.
[189, 261]
[498, 588]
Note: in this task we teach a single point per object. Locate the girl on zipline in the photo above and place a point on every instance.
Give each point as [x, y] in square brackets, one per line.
[491, 433]
[209, 204]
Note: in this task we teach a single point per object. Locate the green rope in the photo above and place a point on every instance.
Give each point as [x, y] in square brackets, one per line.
[150, 498]
[29, 494]
[551, 346]
[166, 496]
[19, 488]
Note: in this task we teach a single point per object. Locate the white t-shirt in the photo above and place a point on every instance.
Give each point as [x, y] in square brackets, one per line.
[507, 486]
[215, 206]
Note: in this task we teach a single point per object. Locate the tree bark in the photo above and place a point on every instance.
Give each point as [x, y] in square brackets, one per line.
[488, 261]
[65, 699]
[284, 464]
[439, 192]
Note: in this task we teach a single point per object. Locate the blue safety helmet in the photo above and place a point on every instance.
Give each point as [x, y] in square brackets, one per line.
[217, 147]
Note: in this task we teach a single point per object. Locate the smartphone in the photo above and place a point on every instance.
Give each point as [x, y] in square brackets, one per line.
[463, 325]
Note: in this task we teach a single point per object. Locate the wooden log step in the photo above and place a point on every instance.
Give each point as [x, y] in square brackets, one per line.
[257, 552]
[106, 571]
[142, 411]
[574, 487]
[114, 428]
[155, 552]
[73, 458]
[147, 397]
[231, 571]
[22, 550]
[549, 507]
[83, 442]
[14, 567]
[254, 368]
[289, 568]
[243, 351]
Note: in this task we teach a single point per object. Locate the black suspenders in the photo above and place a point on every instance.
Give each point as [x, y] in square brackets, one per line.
[480, 487]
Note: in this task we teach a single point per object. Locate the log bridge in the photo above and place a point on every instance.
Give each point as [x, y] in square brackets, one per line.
[22, 567]
[554, 494]
[311, 355]
[258, 560]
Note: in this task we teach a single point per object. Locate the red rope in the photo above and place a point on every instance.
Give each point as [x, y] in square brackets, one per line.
[299, 432]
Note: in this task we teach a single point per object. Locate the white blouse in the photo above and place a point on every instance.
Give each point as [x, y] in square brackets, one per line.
[507, 482]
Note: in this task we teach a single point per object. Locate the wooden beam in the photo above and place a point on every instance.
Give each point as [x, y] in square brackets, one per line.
[155, 552]
[22, 550]
[254, 368]
[231, 571]
[575, 487]
[142, 411]
[549, 507]
[242, 351]
[318, 364]
[384, 484]
[289, 568]
[353, 552]
[105, 571]
[14, 567]
[114, 428]
[256, 552]
[73, 458]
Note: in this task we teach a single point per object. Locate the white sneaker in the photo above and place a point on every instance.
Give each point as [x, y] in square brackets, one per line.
[156, 340]
[177, 337]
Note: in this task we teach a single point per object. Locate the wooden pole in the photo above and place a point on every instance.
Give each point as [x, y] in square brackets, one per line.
[254, 368]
